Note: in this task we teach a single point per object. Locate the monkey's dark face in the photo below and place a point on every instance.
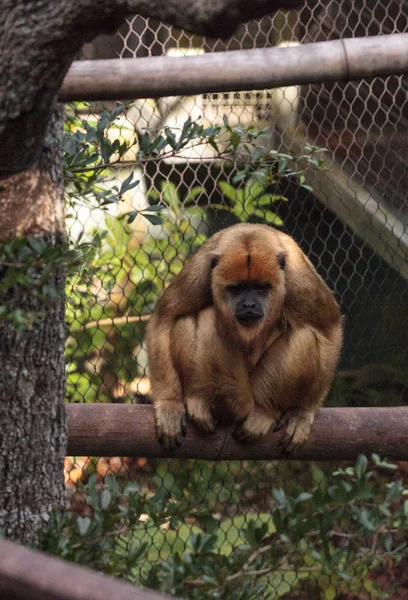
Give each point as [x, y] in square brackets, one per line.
[248, 285]
[248, 300]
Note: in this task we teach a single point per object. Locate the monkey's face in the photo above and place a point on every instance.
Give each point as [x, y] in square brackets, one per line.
[248, 285]
[248, 300]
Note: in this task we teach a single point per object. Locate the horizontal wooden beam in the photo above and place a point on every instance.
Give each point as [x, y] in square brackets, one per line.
[337, 434]
[30, 575]
[161, 76]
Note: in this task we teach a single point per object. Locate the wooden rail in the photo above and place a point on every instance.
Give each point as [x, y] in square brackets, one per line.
[30, 575]
[161, 76]
[338, 434]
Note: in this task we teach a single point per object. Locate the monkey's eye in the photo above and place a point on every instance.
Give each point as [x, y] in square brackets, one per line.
[282, 260]
[262, 287]
[237, 289]
[214, 262]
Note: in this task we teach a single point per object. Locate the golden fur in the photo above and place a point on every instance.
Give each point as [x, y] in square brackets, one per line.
[274, 373]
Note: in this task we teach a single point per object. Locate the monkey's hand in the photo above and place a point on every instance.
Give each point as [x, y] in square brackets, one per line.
[256, 425]
[171, 424]
[199, 412]
[298, 425]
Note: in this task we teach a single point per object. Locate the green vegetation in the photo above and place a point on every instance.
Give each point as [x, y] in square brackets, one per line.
[173, 534]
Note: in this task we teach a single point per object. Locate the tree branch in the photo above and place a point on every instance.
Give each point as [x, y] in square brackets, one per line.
[39, 40]
[214, 18]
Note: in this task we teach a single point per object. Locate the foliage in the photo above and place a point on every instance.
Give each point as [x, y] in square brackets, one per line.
[371, 385]
[27, 266]
[318, 543]
[90, 157]
[127, 275]
[92, 151]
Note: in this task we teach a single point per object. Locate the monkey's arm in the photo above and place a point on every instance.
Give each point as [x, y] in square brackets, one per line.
[188, 293]
[291, 382]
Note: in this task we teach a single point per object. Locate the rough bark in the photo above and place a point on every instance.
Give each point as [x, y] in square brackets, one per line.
[32, 372]
[38, 41]
[214, 18]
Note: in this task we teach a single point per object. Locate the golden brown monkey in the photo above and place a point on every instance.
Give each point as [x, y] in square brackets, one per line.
[248, 332]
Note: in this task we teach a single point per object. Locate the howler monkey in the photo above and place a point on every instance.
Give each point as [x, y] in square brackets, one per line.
[249, 333]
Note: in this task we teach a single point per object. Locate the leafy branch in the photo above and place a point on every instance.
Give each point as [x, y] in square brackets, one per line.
[348, 523]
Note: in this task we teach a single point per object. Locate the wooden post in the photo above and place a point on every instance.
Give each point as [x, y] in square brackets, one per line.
[162, 76]
[337, 434]
[29, 575]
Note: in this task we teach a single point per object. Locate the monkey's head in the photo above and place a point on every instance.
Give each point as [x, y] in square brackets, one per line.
[248, 281]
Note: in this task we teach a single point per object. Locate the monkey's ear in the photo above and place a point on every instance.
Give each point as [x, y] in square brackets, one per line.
[214, 261]
[282, 259]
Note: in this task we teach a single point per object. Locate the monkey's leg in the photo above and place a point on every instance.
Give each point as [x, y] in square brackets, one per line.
[298, 426]
[198, 409]
[256, 425]
[198, 382]
[293, 377]
[171, 424]
[167, 386]
[189, 341]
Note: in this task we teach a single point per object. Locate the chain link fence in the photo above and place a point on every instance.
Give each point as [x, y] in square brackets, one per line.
[352, 225]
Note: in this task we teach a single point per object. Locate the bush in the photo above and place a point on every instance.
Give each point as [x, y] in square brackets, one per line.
[329, 540]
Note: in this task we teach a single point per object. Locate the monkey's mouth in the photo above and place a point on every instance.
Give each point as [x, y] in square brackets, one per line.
[248, 320]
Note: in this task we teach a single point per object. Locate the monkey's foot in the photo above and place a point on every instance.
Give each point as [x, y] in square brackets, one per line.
[171, 425]
[256, 425]
[199, 412]
[298, 425]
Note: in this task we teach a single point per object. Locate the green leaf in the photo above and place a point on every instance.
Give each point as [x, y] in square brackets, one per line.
[154, 195]
[318, 474]
[106, 497]
[170, 194]
[265, 200]
[228, 191]
[136, 549]
[235, 140]
[83, 524]
[196, 191]
[153, 219]
[132, 487]
[117, 111]
[364, 518]
[128, 185]
[131, 216]
[112, 482]
[361, 466]
[303, 497]
[240, 176]
[36, 244]
[145, 143]
[155, 208]
[255, 189]
[170, 138]
[273, 218]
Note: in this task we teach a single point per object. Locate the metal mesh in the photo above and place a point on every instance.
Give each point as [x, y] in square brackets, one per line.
[353, 226]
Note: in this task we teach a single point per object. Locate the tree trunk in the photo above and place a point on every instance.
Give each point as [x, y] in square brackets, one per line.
[32, 374]
[38, 41]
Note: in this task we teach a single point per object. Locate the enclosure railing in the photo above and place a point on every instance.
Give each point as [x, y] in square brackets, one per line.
[30, 575]
[337, 434]
[162, 76]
